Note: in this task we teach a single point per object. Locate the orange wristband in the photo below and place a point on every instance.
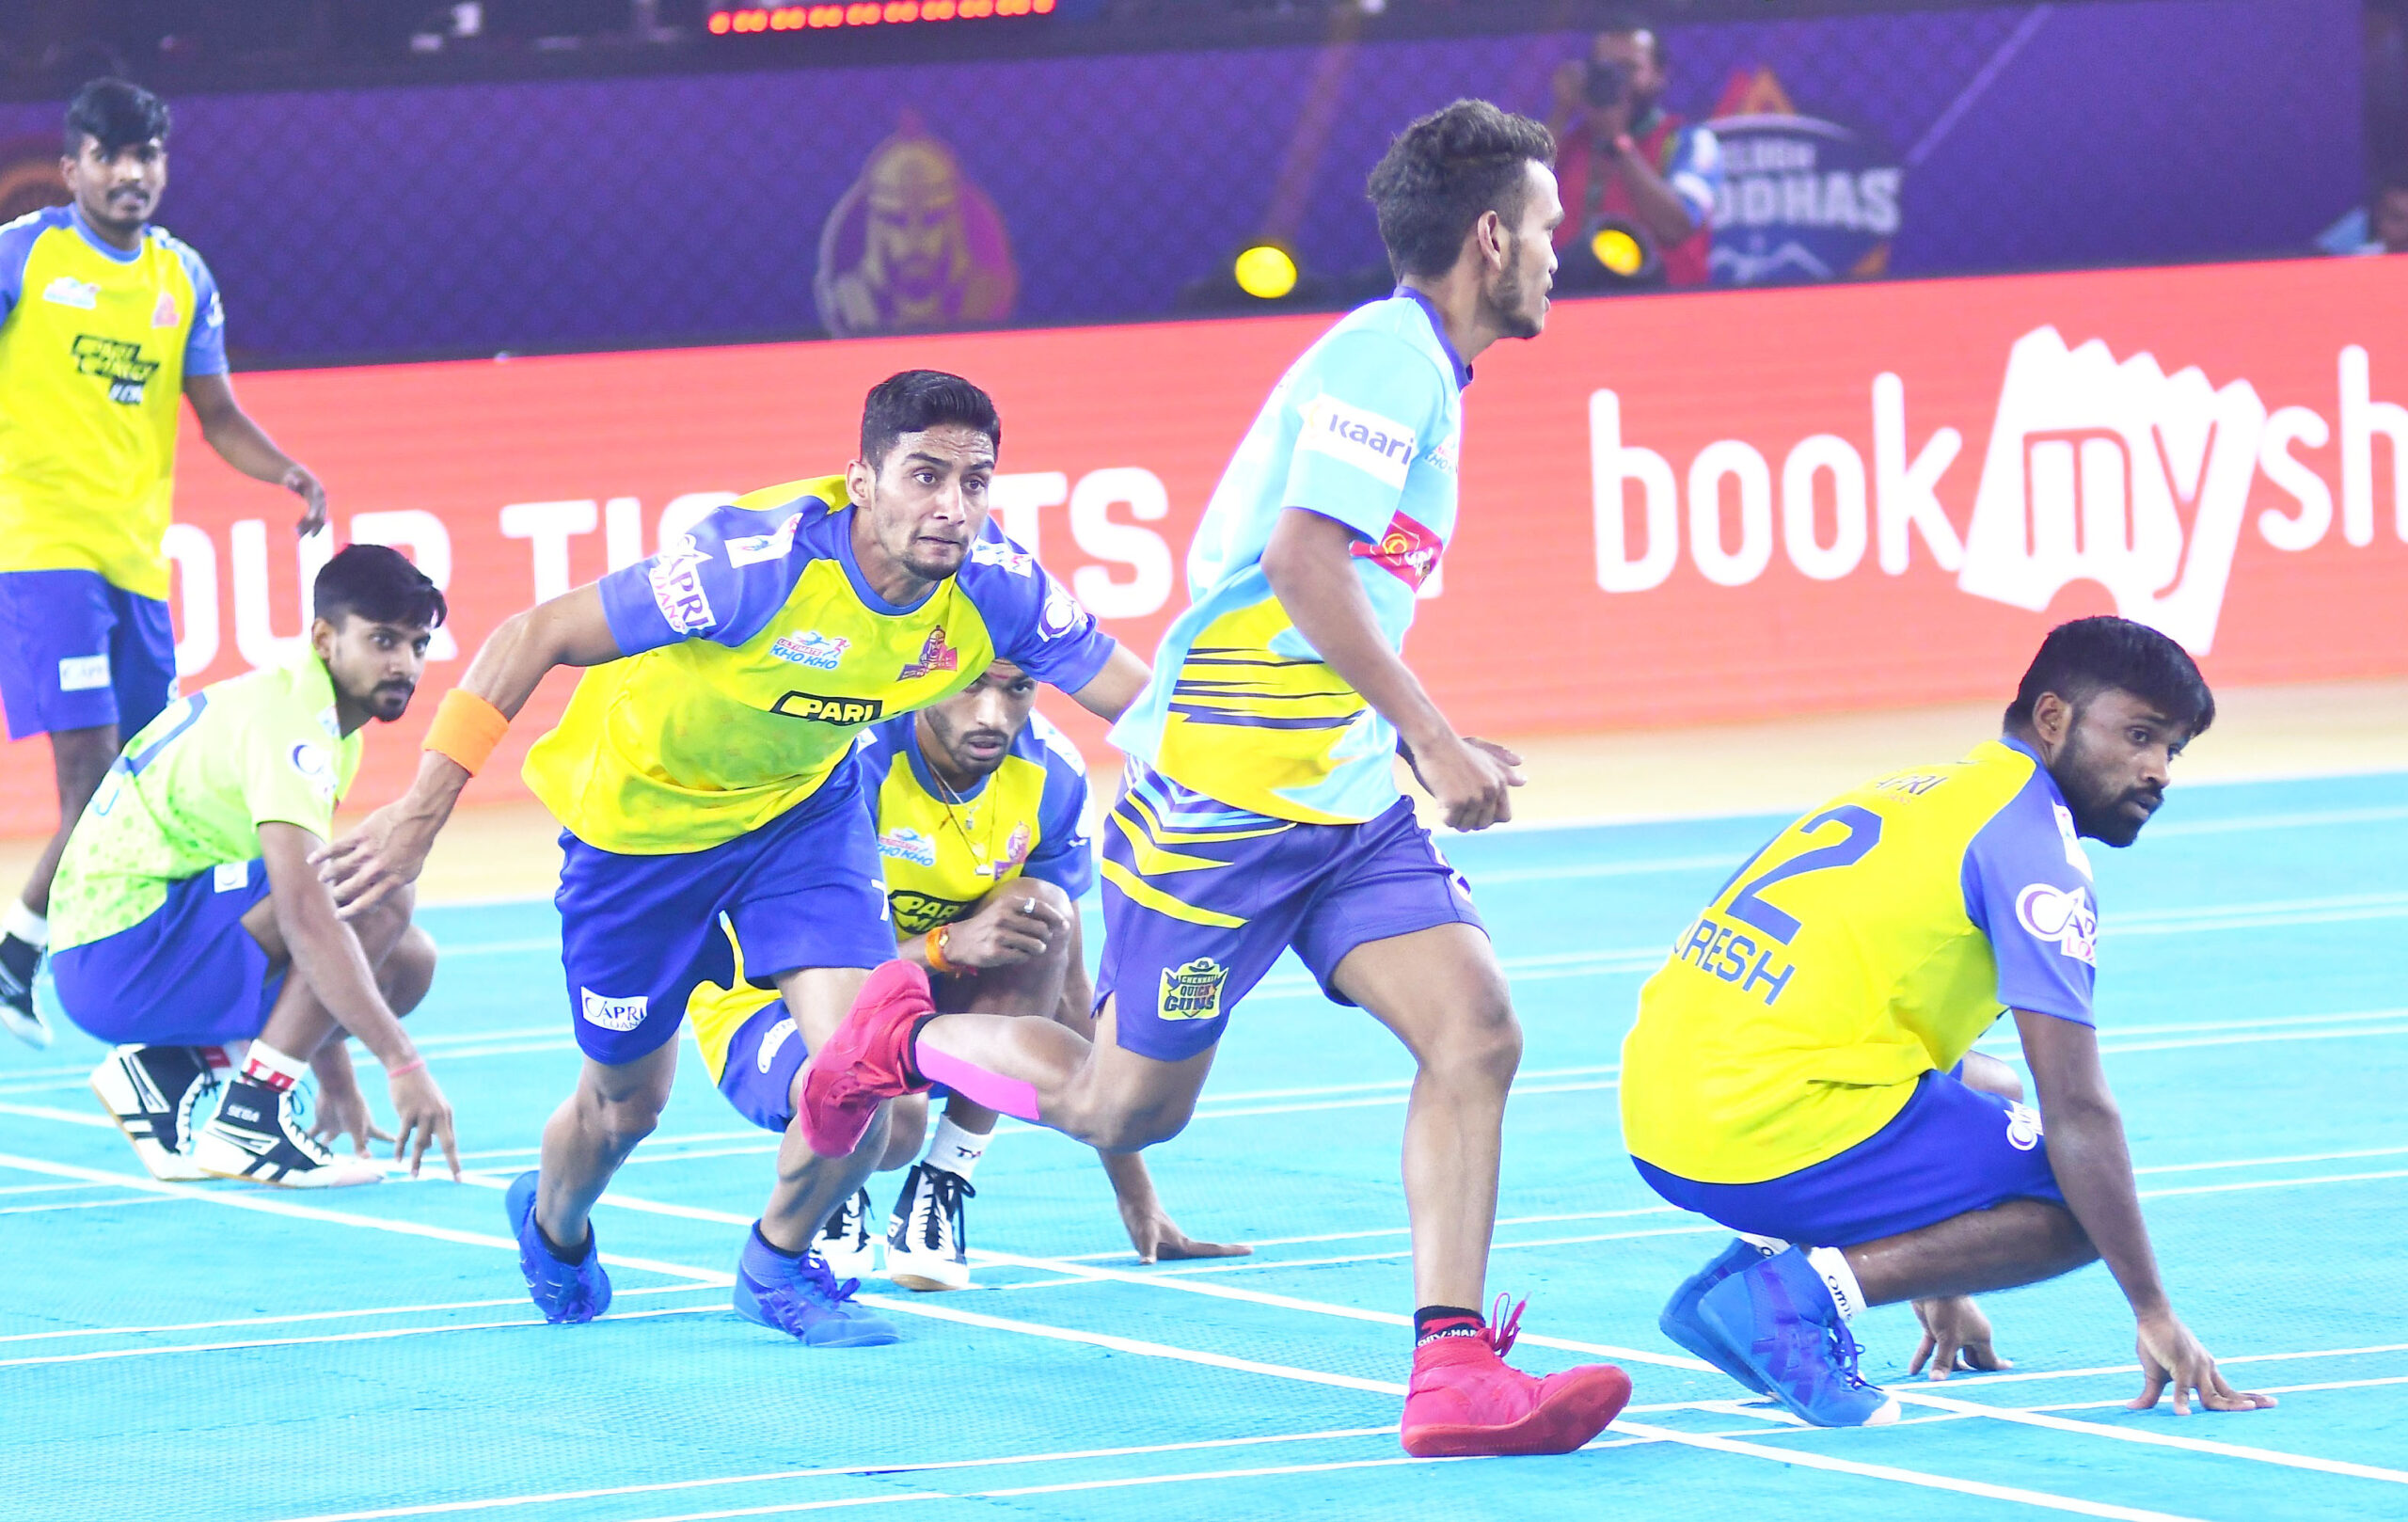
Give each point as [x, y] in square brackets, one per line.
[465, 729]
[934, 948]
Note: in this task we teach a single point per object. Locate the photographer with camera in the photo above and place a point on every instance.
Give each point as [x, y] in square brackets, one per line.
[1622, 158]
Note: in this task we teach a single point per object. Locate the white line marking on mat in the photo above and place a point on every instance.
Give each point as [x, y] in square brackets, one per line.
[661, 1486]
[2148, 1437]
[326, 1315]
[1807, 1458]
[72, 1117]
[382, 1334]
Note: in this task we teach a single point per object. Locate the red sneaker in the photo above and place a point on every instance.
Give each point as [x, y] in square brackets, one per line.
[1465, 1400]
[866, 1061]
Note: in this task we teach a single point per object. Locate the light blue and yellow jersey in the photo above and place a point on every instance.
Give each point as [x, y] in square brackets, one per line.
[1366, 429]
[754, 651]
[95, 343]
[1025, 820]
[189, 794]
[942, 851]
[1872, 942]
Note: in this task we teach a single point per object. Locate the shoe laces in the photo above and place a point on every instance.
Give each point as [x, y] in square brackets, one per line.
[814, 1271]
[1844, 1352]
[945, 1193]
[1503, 1326]
[848, 1224]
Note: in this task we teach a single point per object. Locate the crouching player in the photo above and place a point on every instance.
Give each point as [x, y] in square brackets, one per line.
[1802, 1073]
[188, 918]
[979, 804]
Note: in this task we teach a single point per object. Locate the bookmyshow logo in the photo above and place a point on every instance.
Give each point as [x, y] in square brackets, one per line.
[2098, 470]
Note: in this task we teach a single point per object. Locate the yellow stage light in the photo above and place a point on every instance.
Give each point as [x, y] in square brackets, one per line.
[1266, 272]
[1617, 250]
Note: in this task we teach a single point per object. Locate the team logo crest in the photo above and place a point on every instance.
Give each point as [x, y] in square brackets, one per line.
[1193, 992]
[820, 652]
[1407, 551]
[1061, 614]
[935, 655]
[2022, 1127]
[165, 313]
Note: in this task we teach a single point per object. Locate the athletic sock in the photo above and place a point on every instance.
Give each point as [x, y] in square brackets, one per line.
[757, 1236]
[1432, 1323]
[1839, 1278]
[24, 924]
[570, 1255]
[272, 1069]
[955, 1149]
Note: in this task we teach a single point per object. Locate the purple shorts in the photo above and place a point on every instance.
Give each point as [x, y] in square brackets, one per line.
[76, 653]
[1196, 914]
[187, 975]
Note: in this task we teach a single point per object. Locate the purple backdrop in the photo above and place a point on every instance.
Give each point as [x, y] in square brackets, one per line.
[468, 217]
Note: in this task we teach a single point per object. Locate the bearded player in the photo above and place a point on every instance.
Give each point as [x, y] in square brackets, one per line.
[1261, 810]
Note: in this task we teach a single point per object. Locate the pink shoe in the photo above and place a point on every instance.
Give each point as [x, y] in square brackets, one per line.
[867, 1061]
[1464, 1398]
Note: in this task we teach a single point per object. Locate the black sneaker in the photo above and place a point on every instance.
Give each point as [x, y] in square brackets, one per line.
[928, 1242]
[151, 1092]
[18, 961]
[844, 1241]
[258, 1136]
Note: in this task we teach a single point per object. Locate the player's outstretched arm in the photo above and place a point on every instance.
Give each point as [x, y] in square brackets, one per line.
[327, 956]
[1310, 563]
[1109, 692]
[242, 444]
[389, 848]
[2094, 1168]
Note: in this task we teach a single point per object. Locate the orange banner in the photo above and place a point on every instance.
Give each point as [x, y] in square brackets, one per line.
[1675, 508]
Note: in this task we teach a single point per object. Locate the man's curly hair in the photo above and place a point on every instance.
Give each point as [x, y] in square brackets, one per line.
[1444, 171]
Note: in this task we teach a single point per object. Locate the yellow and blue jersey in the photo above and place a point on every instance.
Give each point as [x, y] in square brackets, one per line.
[1872, 942]
[1366, 429]
[754, 651]
[942, 851]
[95, 343]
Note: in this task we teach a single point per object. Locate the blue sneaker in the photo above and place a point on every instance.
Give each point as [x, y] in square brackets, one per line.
[562, 1291]
[1779, 1319]
[798, 1296]
[1680, 1321]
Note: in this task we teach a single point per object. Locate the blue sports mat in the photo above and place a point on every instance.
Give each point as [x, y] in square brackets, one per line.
[227, 1352]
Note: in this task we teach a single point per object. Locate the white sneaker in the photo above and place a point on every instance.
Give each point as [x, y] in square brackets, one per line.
[928, 1242]
[151, 1092]
[844, 1241]
[258, 1137]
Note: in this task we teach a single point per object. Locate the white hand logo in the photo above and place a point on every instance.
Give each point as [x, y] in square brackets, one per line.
[2093, 467]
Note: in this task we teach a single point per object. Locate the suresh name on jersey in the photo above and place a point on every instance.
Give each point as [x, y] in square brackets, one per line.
[1365, 428]
[755, 650]
[95, 343]
[1872, 942]
[942, 851]
[189, 794]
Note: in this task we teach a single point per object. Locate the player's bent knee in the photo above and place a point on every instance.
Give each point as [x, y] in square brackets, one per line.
[1990, 1076]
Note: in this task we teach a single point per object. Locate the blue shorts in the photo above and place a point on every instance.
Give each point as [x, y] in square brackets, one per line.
[76, 653]
[1186, 943]
[639, 932]
[188, 975]
[1950, 1151]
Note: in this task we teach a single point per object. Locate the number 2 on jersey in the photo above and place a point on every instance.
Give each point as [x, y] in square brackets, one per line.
[1863, 832]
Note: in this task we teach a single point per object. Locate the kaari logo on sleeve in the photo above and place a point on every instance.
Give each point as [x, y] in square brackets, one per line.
[1379, 447]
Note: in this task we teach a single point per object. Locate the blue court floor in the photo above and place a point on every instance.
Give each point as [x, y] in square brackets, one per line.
[177, 1352]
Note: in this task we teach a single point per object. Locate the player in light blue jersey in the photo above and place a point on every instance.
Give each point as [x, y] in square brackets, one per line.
[1262, 812]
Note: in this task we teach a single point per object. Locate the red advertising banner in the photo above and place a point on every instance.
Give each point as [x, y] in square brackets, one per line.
[1676, 509]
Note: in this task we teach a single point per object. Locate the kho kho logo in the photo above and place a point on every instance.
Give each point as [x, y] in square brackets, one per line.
[1803, 198]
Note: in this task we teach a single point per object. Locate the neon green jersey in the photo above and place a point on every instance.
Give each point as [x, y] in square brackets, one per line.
[189, 793]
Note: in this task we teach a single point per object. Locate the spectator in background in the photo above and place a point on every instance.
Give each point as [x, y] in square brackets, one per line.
[1621, 156]
[2388, 214]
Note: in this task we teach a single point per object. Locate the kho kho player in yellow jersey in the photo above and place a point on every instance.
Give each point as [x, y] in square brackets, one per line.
[978, 805]
[1261, 810]
[702, 773]
[104, 321]
[1802, 1068]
